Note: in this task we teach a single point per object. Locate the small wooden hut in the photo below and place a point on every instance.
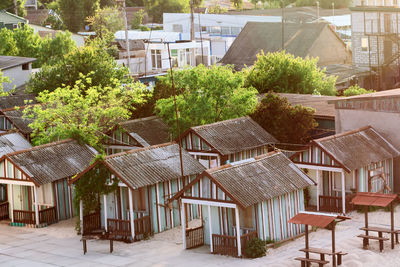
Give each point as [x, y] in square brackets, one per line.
[255, 198]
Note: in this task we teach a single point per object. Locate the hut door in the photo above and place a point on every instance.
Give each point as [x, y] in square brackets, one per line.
[3, 193]
[326, 183]
[63, 200]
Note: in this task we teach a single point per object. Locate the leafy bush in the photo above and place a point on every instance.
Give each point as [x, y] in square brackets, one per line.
[356, 90]
[255, 248]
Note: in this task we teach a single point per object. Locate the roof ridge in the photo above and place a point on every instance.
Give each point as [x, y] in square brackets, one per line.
[218, 122]
[343, 134]
[135, 150]
[18, 107]
[41, 146]
[139, 119]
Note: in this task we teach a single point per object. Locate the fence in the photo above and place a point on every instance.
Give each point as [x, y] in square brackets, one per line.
[194, 237]
[4, 215]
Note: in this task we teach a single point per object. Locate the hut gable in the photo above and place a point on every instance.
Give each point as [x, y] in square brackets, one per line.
[51, 162]
[15, 117]
[228, 137]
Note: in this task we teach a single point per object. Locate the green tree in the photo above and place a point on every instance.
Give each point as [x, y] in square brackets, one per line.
[289, 124]
[137, 20]
[8, 45]
[205, 95]
[356, 90]
[82, 60]
[53, 50]
[3, 80]
[106, 21]
[238, 4]
[83, 111]
[28, 42]
[156, 8]
[284, 73]
[217, 9]
[8, 5]
[134, 2]
[74, 12]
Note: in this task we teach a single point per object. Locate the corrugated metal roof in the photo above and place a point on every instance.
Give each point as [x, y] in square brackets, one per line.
[53, 161]
[15, 116]
[318, 220]
[373, 199]
[267, 177]
[12, 142]
[13, 101]
[153, 130]
[234, 135]
[358, 148]
[147, 166]
[7, 62]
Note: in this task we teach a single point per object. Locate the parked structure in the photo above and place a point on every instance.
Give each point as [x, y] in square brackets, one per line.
[301, 40]
[246, 200]
[17, 69]
[10, 21]
[227, 141]
[149, 51]
[376, 40]
[37, 180]
[147, 178]
[343, 164]
[380, 110]
[137, 133]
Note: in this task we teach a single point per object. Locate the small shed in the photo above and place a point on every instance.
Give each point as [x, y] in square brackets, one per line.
[243, 200]
[227, 141]
[12, 118]
[17, 69]
[137, 133]
[147, 178]
[37, 180]
[343, 164]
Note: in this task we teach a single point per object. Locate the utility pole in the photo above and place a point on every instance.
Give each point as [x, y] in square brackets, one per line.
[191, 21]
[317, 11]
[128, 49]
[283, 25]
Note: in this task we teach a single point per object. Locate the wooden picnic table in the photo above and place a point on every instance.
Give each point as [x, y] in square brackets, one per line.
[380, 238]
[324, 252]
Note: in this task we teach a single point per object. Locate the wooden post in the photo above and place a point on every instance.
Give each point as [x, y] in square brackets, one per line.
[306, 239]
[392, 223]
[81, 215]
[36, 205]
[183, 222]
[131, 214]
[105, 211]
[366, 240]
[318, 190]
[239, 245]
[333, 244]
[210, 228]
[12, 202]
[343, 194]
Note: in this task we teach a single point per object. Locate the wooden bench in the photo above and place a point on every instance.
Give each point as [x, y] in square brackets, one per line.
[85, 238]
[383, 230]
[367, 237]
[323, 251]
[320, 263]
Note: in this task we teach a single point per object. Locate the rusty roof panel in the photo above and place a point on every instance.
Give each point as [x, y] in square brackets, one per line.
[317, 220]
[20, 123]
[53, 161]
[373, 199]
[236, 135]
[358, 148]
[264, 178]
[143, 167]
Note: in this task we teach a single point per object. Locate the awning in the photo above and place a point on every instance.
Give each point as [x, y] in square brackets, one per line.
[315, 219]
[373, 199]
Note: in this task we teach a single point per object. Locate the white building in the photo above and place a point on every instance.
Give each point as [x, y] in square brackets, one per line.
[149, 51]
[221, 30]
[17, 69]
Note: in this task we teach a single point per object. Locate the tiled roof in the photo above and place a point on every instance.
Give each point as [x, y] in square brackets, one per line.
[20, 123]
[392, 93]
[53, 161]
[11, 142]
[12, 101]
[234, 135]
[153, 164]
[151, 130]
[358, 148]
[7, 62]
[261, 179]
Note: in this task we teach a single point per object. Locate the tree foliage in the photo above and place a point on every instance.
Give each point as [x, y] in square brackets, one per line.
[289, 124]
[205, 95]
[24, 42]
[284, 73]
[356, 90]
[3, 80]
[325, 3]
[83, 111]
[8, 5]
[83, 60]
[156, 8]
[137, 20]
[74, 12]
[217, 9]
[106, 21]
[238, 4]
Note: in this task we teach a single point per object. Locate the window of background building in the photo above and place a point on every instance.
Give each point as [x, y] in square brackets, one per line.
[156, 59]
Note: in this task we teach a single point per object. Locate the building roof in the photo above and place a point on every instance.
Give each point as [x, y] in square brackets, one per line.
[317, 219]
[8, 18]
[357, 148]
[266, 177]
[232, 136]
[258, 36]
[37, 16]
[12, 142]
[16, 117]
[142, 167]
[317, 102]
[148, 131]
[373, 199]
[54, 161]
[7, 62]
[12, 101]
[346, 72]
[393, 93]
